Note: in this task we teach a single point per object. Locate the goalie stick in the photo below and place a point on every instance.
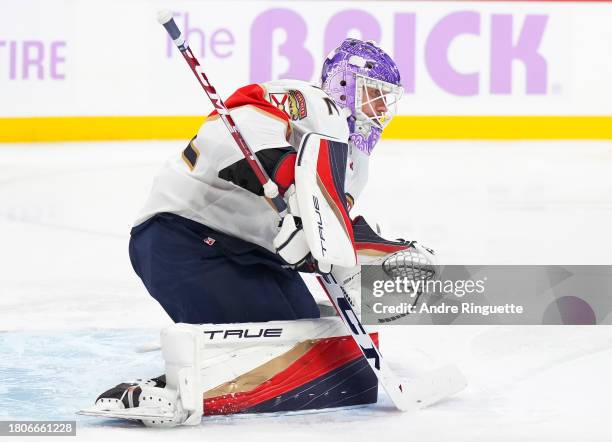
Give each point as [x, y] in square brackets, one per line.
[417, 393]
[405, 394]
[270, 188]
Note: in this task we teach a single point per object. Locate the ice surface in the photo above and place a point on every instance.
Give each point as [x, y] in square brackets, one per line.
[72, 312]
[45, 373]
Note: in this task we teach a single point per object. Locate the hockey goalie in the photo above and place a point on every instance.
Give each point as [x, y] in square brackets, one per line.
[209, 247]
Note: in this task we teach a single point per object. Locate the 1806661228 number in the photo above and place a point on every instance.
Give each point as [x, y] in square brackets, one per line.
[39, 428]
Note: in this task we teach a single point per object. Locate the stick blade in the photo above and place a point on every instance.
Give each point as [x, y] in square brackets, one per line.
[432, 387]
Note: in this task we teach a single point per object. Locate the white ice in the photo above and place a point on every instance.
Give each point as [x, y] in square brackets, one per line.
[72, 311]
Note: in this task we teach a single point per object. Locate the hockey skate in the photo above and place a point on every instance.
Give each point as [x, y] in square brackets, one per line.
[147, 401]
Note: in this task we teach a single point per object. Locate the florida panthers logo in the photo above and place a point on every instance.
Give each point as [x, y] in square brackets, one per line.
[297, 105]
[292, 103]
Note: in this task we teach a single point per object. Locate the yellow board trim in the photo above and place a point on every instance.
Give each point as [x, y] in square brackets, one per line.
[500, 127]
[14, 130]
[32, 129]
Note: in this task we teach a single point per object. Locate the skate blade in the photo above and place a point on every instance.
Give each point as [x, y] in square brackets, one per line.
[137, 413]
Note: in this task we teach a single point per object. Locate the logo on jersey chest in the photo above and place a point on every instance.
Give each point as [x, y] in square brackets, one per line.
[291, 103]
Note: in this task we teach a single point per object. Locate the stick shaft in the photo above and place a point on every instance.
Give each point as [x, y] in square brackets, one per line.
[394, 387]
[270, 188]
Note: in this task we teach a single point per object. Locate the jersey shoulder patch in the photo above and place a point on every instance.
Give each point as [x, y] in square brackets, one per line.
[290, 101]
[307, 107]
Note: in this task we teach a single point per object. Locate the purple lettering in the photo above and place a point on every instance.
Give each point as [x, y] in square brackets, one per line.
[35, 60]
[221, 37]
[2, 43]
[503, 52]
[436, 53]
[339, 26]
[13, 60]
[187, 32]
[404, 48]
[301, 63]
[56, 59]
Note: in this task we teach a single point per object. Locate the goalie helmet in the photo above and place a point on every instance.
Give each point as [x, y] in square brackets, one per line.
[361, 77]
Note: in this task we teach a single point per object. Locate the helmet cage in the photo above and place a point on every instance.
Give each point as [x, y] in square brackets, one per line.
[368, 93]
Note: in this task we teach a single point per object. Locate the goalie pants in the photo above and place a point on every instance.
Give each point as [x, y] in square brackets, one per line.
[199, 275]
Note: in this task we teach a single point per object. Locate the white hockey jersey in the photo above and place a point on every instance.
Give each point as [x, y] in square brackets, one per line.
[209, 181]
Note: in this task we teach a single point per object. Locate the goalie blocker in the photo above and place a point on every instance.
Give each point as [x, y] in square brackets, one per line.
[317, 233]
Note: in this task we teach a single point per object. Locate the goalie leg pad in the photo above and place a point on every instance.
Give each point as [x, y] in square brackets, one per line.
[273, 366]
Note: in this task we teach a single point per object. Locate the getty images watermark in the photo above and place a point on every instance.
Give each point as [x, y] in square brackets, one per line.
[489, 295]
[412, 290]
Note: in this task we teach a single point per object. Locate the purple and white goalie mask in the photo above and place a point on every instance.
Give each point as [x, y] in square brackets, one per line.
[361, 78]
